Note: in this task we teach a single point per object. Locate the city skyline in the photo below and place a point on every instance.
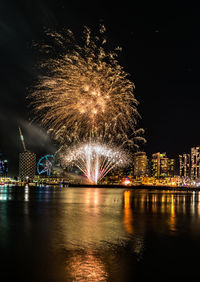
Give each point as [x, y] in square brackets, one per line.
[182, 162]
[158, 165]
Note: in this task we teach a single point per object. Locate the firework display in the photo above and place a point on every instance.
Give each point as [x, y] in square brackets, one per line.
[85, 96]
[93, 159]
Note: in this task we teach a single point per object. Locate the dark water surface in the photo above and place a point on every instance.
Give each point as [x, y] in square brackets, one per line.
[86, 234]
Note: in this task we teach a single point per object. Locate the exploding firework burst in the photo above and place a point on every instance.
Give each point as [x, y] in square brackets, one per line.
[93, 159]
[85, 100]
[85, 93]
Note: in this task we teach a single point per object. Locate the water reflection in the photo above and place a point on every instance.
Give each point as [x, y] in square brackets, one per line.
[84, 234]
[5, 193]
[90, 217]
[26, 193]
[128, 214]
[172, 219]
[86, 267]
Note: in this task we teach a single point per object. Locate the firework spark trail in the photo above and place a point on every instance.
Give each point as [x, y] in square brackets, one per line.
[94, 160]
[85, 96]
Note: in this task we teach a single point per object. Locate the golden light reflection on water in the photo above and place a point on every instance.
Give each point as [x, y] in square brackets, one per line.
[128, 215]
[163, 206]
[172, 219]
[92, 199]
[86, 267]
[92, 231]
[101, 226]
[90, 217]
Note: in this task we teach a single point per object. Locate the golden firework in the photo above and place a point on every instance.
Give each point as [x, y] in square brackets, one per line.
[84, 94]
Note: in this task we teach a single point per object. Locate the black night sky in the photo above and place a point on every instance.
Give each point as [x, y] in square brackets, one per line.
[161, 51]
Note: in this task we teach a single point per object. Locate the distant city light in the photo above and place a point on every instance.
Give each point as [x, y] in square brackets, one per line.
[126, 182]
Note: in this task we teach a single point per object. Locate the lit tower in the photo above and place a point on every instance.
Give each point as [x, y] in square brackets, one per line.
[195, 162]
[160, 164]
[3, 168]
[27, 162]
[140, 163]
[184, 165]
[171, 167]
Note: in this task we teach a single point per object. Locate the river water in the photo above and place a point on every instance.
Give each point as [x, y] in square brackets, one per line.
[93, 234]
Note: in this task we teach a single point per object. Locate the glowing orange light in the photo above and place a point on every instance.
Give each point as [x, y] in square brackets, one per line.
[126, 182]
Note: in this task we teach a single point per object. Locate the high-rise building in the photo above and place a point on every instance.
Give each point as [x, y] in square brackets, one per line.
[164, 165]
[184, 165]
[195, 162]
[149, 166]
[140, 164]
[155, 165]
[27, 165]
[3, 168]
[159, 165]
[27, 162]
[171, 167]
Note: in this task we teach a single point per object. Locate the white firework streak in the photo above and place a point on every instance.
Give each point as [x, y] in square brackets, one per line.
[93, 159]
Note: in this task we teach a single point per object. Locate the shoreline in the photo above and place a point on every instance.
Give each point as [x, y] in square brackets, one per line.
[137, 187]
[109, 186]
[114, 186]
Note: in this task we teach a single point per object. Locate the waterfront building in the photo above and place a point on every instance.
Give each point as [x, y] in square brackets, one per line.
[149, 166]
[27, 165]
[140, 164]
[116, 176]
[164, 165]
[3, 168]
[195, 162]
[184, 165]
[159, 165]
[155, 165]
[171, 167]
